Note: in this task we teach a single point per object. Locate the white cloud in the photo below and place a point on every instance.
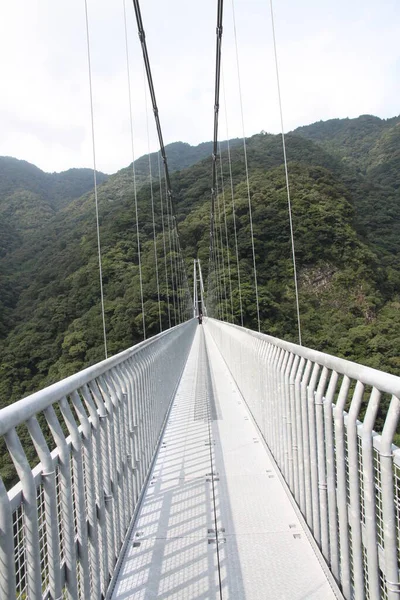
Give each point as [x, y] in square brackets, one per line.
[336, 60]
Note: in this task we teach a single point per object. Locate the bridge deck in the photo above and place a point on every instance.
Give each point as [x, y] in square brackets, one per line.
[216, 521]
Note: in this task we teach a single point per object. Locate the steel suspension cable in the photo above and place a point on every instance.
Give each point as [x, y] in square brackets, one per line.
[216, 113]
[226, 231]
[247, 167]
[175, 259]
[181, 265]
[134, 172]
[95, 180]
[233, 202]
[286, 173]
[173, 286]
[222, 260]
[182, 282]
[142, 38]
[163, 237]
[152, 211]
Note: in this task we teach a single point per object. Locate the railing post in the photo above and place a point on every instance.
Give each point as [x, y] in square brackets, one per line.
[129, 449]
[281, 413]
[79, 491]
[100, 509]
[354, 486]
[106, 490]
[90, 488]
[321, 462]
[119, 399]
[390, 501]
[274, 412]
[135, 430]
[368, 475]
[289, 419]
[31, 529]
[268, 416]
[331, 477]
[7, 565]
[299, 436]
[294, 419]
[115, 454]
[316, 525]
[51, 513]
[306, 445]
[343, 514]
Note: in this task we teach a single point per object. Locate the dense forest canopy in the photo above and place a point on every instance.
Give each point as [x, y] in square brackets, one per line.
[345, 185]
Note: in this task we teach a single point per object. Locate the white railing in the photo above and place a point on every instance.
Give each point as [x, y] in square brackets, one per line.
[95, 434]
[344, 477]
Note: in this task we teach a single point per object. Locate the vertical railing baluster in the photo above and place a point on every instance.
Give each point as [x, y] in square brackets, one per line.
[112, 404]
[104, 416]
[142, 424]
[99, 504]
[51, 511]
[299, 482]
[66, 502]
[79, 490]
[294, 482]
[90, 489]
[280, 409]
[135, 431]
[118, 398]
[128, 446]
[322, 485]
[306, 444]
[7, 565]
[288, 422]
[331, 476]
[147, 415]
[113, 445]
[354, 487]
[31, 528]
[274, 402]
[312, 432]
[390, 502]
[368, 476]
[343, 515]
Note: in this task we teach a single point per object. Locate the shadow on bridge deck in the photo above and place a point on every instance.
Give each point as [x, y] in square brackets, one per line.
[215, 521]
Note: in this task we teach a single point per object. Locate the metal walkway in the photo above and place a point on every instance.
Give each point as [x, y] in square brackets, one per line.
[216, 520]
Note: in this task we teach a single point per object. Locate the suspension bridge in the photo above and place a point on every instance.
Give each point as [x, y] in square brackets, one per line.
[209, 461]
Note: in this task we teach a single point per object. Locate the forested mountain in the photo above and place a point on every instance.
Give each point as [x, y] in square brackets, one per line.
[56, 188]
[346, 234]
[29, 197]
[354, 140]
[368, 149]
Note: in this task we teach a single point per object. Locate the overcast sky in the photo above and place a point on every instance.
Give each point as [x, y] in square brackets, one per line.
[337, 59]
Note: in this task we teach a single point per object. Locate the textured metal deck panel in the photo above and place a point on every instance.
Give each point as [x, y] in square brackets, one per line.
[216, 522]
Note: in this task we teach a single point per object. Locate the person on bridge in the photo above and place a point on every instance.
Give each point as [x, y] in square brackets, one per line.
[200, 318]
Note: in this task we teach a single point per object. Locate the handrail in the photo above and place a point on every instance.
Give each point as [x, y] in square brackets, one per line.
[344, 477]
[19, 411]
[94, 434]
[385, 382]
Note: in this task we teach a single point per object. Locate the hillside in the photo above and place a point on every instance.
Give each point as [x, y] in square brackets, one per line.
[29, 197]
[56, 188]
[180, 156]
[349, 287]
[368, 149]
